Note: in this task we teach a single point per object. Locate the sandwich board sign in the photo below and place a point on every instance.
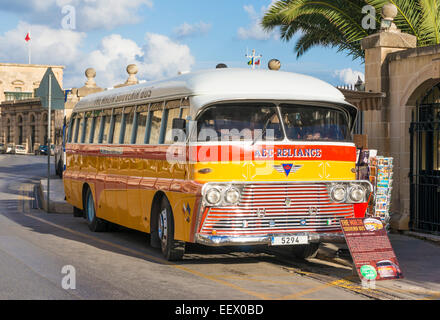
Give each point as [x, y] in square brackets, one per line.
[371, 250]
[56, 93]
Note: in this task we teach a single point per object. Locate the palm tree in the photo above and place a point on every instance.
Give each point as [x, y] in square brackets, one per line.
[338, 23]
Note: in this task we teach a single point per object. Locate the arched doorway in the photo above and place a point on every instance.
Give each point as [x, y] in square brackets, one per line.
[425, 163]
[44, 128]
[8, 131]
[32, 123]
[20, 129]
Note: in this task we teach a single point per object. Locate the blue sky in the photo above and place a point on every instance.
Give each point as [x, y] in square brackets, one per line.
[162, 37]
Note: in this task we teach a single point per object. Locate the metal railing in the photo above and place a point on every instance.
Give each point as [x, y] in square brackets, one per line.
[11, 96]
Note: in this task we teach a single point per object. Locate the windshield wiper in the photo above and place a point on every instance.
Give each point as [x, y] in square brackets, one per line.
[263, 131]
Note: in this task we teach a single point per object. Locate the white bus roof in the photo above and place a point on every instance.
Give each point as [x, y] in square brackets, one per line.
[214, 85]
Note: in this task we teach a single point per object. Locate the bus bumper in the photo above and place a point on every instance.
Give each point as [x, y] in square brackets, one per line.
[217, 241]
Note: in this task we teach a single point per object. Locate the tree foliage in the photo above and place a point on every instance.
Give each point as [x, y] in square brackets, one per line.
[338, 23]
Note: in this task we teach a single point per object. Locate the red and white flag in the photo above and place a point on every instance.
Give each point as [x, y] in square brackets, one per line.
[28, 39]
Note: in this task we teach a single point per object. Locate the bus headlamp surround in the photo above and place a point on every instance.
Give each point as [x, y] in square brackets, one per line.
[232, 195]
[338, 193]
[356, 193]
[221, 195]
[213, 196]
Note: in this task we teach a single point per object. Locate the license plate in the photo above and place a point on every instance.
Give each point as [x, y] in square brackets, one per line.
[289, 240]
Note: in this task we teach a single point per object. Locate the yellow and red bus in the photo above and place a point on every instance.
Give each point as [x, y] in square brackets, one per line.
[218, 157]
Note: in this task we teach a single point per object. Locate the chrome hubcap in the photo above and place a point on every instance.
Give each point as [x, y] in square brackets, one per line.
[90, 208]
[163, 229]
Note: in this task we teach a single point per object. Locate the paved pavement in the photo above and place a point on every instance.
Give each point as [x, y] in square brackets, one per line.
[35, 246]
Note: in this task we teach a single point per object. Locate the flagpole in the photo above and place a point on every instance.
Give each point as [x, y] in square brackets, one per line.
[28, 40]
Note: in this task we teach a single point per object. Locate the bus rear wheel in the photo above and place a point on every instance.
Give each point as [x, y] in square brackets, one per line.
[95, 224]
[305, 251]
[171, 249]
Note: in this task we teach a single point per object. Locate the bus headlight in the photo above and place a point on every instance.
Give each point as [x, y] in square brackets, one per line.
[213, 196]
[356, 193]
[338, 193]
[232, 196]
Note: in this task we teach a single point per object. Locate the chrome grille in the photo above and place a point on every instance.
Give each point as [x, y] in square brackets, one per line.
[310, 209]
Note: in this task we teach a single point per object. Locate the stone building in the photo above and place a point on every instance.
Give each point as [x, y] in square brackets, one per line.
[23, 121]
[406, 126]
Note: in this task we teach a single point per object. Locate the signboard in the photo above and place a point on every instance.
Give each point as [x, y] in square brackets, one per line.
[370, 248]
[57, 94]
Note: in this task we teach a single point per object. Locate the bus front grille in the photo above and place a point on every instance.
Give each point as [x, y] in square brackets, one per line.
[278, 208]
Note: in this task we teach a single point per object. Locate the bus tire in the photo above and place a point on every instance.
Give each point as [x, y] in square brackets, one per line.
[95, 224]
[60, 169]
[78, 213]
[171, 249]
[305, 251]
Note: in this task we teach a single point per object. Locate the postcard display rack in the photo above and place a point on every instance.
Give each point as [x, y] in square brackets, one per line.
[379, 171]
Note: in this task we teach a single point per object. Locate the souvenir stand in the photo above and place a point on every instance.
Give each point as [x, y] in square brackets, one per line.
[379, 171]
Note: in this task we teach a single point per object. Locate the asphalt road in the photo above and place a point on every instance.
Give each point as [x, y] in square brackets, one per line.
[36, 248]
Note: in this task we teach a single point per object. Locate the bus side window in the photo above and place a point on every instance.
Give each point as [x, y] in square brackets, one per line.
[78, 122]
[127, 125]
[97, 128]
[106, 124]
[172, 114]
[154, 125]
[88, 123]
[117, 122]
[140, 126]
[70, 130]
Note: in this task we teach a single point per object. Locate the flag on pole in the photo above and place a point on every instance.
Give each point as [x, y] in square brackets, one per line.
[28, 39]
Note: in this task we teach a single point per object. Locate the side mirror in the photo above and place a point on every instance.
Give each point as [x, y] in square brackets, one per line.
[179, 129]
[179, 124]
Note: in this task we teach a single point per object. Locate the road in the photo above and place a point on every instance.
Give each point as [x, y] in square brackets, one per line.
[36, 246]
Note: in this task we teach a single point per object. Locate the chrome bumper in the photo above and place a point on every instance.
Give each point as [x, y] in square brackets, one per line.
[216, 241]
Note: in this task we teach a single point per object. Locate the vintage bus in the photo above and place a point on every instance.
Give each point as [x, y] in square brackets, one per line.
[219, 157]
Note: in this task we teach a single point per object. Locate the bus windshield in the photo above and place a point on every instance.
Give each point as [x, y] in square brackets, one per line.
[240, 121]
[315, 123]
[261, 121]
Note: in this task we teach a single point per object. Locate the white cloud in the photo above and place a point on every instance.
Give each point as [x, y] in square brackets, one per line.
[164, 57]
[48, 46]
[254, 30]
[349, 76]
[159, 58]
[89, 14]
[188, 30]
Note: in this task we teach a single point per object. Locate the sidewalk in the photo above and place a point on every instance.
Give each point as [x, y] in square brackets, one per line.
[57, 203]
[419, 261]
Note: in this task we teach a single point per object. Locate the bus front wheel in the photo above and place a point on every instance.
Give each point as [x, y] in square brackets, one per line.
[172, 249]
[95, 224]
[305, 251]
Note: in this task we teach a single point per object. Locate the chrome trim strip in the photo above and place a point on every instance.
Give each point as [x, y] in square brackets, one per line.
[266, 239]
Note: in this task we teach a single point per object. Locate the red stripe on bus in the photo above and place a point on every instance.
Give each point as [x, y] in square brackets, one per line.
[217, 153]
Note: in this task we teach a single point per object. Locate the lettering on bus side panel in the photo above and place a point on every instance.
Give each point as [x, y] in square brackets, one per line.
[288, 153]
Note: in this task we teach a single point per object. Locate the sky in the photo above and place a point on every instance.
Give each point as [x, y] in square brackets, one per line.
[161, 37]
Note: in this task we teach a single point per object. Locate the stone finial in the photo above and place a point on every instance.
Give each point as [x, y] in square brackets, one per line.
[389, 12]
[89, 87]
[90, 75]
[132, 70]
[274, 64]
